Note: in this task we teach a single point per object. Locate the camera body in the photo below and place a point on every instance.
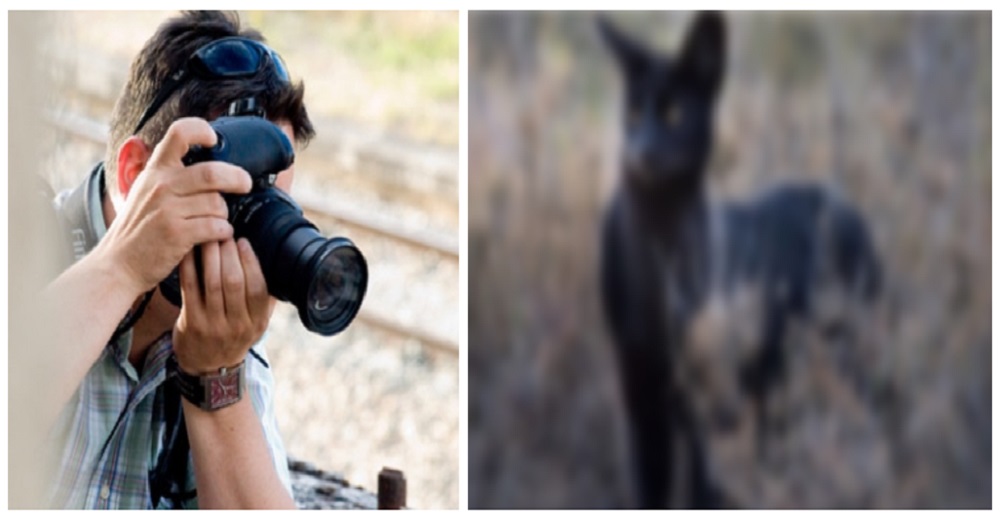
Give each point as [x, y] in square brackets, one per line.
[325, 279]
[250, 142]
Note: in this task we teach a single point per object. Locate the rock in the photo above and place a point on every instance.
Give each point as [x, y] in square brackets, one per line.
[315, 488]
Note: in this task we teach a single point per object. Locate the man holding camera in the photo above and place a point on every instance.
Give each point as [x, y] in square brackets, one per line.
[172, 407]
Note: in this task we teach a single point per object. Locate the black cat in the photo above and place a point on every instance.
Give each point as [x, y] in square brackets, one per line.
[666, 248]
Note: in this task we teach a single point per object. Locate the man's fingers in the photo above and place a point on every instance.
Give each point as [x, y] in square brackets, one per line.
[182, 135]
[212, 176]
[199, 230]
[256, 286]
[211, 275]
[205, 205]
[190, 291]
[233, 283]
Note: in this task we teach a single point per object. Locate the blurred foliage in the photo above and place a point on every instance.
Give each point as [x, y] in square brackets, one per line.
[396, 69]
[396, 46]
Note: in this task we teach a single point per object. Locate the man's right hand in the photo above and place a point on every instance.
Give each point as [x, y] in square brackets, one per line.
[170, 208]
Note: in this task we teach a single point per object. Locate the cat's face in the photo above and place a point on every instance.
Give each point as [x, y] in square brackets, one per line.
[669, 103]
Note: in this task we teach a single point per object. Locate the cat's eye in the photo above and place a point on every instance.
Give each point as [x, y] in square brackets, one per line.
[672, 115]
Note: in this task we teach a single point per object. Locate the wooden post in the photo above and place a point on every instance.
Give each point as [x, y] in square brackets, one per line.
[391, 489]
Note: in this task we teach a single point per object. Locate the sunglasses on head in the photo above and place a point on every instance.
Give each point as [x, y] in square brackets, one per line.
[227, 58]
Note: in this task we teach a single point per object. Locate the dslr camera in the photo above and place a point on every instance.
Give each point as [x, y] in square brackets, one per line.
[324, 278]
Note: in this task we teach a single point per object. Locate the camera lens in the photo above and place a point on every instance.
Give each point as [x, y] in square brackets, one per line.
[335, 283]
[324, 278]
[336, 287]
[324, 289]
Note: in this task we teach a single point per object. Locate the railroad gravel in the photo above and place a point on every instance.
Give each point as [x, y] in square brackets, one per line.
[366, 399]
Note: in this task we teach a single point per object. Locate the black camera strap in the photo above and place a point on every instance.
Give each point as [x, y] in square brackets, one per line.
[168, 478]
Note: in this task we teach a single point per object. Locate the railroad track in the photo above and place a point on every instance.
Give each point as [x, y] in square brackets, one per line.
[96, 132]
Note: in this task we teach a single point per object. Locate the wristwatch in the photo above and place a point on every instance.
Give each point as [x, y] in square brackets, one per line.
[209, 391]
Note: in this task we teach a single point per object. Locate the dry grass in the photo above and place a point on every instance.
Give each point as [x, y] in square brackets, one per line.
[890, 109]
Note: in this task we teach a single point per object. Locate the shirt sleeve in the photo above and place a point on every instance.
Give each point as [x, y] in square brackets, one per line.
[260, 388]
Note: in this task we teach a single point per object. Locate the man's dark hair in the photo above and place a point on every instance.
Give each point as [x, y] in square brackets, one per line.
[165, 53]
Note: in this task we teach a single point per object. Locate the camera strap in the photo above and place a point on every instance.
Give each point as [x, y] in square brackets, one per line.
[82, 216]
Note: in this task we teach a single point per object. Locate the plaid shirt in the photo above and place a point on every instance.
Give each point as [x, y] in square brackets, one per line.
[112, 431]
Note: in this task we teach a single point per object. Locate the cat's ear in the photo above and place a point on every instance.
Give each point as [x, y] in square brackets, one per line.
[703, 54]
[630, 55]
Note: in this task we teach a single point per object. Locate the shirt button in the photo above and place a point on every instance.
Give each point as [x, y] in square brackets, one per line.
[105, 492]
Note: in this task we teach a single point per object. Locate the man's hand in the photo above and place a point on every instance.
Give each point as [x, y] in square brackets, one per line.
[224, 313]
[170, 207]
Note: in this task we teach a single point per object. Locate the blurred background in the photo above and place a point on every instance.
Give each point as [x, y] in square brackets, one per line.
[382, 92]
[891, 109]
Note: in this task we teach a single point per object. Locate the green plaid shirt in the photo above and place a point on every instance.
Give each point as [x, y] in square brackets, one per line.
[112, 431]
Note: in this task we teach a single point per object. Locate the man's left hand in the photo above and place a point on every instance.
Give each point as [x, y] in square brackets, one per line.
[225, 313]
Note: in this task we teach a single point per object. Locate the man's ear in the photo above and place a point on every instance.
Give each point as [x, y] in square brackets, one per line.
[630, 55]
[132, 157]
[704, 51]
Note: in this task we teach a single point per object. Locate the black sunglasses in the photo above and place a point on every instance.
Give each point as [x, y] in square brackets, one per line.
[227, 58]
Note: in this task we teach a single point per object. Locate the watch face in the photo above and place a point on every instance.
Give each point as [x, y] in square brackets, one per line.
[224, 390]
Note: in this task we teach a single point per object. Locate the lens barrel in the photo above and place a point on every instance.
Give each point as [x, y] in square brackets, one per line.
[325, 279]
